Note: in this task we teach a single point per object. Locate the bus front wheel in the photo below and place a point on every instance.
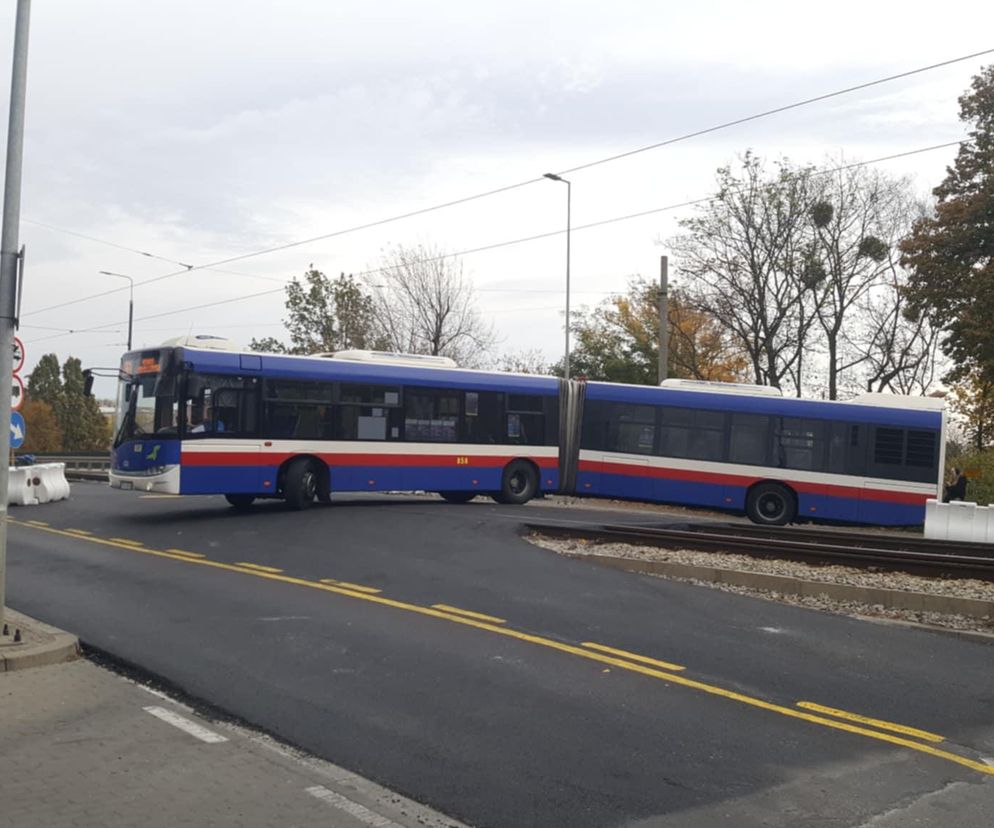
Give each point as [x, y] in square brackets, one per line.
[519, 483]
[458, 497]
[770, 504]
[300, 484]
[240, 501]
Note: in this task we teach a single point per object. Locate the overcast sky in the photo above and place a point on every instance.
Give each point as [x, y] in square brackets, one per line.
[200, 131]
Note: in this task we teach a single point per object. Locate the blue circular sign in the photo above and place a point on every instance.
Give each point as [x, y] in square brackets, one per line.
[18, 429]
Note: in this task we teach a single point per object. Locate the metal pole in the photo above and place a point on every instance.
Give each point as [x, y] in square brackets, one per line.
[8, 261]
[664, 338]
[131, 314]
[569, 199]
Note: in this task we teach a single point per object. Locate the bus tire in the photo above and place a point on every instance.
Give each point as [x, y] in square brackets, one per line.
[770, 504]
[519, 483]
[300, 484]
[324, 486]
[458, 497]
[241, 502]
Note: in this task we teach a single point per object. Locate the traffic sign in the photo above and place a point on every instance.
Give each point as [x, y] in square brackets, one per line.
[16, 393]
[18, 355]
[18, 429]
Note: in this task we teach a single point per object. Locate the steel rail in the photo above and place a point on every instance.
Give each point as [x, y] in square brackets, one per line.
[960, 566]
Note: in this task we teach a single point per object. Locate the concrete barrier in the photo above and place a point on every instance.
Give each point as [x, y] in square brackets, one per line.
[959, 521]
[20, 491]
[42, 483]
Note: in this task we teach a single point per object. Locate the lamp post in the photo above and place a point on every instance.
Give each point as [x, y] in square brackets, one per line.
[131, 299]
[569, 192]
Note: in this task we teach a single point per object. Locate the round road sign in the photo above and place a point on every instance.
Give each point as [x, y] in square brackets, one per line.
[18, 429]
[18, 355]
[17, 394]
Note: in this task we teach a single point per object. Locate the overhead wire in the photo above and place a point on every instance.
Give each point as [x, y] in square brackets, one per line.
[509, 187]
[526, 239]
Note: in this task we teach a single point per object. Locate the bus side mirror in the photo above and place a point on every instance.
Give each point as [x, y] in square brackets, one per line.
[88, 383]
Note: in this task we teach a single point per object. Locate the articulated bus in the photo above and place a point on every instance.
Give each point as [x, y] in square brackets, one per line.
[196, 416]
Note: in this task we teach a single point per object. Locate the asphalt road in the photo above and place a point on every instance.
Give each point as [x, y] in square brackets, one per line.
[344, 630]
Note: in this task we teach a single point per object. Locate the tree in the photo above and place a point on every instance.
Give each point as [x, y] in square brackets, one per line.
[84, 428]
[323, 315]
[45, 381]
[972, 401]
[43, 432]
[951, 252]
[618, 341]
[744, 256]
[857, 219]
[531, 361]
[424, 304]
[78, 418]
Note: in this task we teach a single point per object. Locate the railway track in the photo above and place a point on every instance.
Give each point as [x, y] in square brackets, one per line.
[888, 552]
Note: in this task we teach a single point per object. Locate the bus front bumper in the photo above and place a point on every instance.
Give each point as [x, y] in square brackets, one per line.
[164, 482]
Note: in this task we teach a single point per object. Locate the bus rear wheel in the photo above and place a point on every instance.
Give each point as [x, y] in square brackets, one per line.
[519, 483]
[770, 504]
[241, 502]
[300, 484]
[458, 497]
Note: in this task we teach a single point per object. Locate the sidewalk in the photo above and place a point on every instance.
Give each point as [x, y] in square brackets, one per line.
[83, 746]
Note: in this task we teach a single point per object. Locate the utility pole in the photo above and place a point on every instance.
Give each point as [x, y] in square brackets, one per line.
[664, 338]
[9, 258]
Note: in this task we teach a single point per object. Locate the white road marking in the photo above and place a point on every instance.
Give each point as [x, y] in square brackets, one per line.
[774, 630]
[185, 725]
[987, 760]
[354, 809]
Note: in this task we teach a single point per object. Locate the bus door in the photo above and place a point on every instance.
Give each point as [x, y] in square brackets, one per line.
[222, 450]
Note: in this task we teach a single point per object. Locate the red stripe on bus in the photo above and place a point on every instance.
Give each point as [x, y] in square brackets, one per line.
[225, 458]
[691, 476]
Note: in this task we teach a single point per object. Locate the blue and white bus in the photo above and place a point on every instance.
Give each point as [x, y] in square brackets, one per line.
[198, 418]
[875, 459]
[202, 420]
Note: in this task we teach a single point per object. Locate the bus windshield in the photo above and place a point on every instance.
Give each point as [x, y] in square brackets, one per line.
[146, 398]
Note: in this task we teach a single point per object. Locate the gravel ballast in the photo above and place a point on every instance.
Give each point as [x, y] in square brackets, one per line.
[957, 588]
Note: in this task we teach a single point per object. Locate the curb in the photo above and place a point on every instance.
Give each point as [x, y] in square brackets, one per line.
[889, 598]
[42, 645]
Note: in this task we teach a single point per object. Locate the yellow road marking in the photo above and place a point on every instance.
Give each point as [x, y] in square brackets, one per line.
[350, 585]
[186, 554]
[855, 717]
[470, 614]
[633, 656]
[35, 522]
[79, 531]
[258, 567]
[158, 497]
[127, 541]
[671, 678]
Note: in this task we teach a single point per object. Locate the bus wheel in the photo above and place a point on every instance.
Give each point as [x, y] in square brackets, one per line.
[519, 485]
[240, 501]
[300, 484]
[458, 497]
[324, 486]
[770, 504]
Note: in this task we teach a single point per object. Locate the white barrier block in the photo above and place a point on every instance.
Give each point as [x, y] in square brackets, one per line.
[20, 491]
[961, 516]
[936, 520]
[52, 484]
[981, 524]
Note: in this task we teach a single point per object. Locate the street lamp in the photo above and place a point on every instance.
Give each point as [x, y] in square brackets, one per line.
[131, 299]
[569, 190]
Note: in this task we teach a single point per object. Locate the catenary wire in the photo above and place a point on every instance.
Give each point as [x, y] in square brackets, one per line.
[523, 240]
[509, 187]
